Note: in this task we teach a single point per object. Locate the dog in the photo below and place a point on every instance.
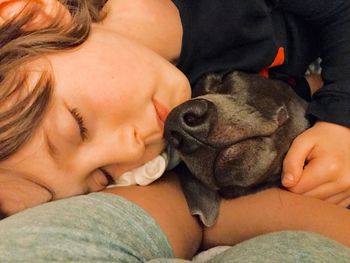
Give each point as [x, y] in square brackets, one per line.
[233, 136]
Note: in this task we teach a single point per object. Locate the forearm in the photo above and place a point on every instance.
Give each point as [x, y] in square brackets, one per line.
[275, 210]
[165, 202]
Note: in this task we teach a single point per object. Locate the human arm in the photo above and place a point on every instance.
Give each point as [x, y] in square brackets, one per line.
[313, 162]
[325, 149]
[134, 224]
[97, 227]
[108, 227]
[165, 202]
[317, 162]
[239, 219]
[276, 210]
[331, 19]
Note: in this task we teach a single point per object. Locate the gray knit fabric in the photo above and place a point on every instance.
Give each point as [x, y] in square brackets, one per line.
[98, 227]
[102, 227]
[286, 247]
[279, 247]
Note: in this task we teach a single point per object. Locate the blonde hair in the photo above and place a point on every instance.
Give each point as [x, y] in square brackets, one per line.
[18, 47]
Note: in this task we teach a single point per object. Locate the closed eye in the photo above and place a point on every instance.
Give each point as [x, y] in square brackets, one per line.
[80, 121]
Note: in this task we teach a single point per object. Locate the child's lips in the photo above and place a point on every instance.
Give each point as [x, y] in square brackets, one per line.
[161, 110]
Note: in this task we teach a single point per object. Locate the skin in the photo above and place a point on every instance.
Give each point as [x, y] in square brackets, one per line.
[122, 98]
[125, 134]
[165, 202]
[276, 210]
[239, 219]
[326, 175]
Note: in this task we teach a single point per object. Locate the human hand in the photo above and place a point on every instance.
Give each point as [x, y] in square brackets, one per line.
[318, 164]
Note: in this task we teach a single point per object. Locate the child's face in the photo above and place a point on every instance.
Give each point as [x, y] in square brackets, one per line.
[120, 93]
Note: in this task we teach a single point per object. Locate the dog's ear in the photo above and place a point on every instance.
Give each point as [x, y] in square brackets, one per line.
[281, 115]
[232, 82]
[201, 201]
[209, 84]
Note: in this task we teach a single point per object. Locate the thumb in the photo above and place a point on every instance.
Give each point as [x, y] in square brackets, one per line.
[294, 162]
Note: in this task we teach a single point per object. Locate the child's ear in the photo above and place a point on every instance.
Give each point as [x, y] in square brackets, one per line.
[44, 12]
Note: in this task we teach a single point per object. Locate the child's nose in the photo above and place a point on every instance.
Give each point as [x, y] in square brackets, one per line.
[127, 145]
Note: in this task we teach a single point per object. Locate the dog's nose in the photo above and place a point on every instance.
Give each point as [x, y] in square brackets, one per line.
[188, 125]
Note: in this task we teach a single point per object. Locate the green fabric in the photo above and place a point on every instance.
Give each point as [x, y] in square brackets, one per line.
[103, 227]
[285, 246]
[98, 227]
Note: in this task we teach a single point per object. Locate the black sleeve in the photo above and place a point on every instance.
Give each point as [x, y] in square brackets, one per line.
[332, 17]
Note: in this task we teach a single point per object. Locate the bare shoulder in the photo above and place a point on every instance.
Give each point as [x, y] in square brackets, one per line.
[153, 23]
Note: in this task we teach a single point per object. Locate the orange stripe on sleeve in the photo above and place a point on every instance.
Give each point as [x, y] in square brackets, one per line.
[279, 59]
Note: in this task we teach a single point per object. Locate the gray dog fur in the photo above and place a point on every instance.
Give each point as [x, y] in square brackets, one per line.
[233, 137]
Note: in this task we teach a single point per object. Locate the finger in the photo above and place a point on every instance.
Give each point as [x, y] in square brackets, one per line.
[294, 162]
[322, 191]
[338, 198]
[313, 177]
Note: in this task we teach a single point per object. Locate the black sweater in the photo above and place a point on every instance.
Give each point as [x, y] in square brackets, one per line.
[224, 35]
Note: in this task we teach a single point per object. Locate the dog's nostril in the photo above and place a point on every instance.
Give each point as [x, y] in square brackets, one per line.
[192, 119]
[188, 125]
[196, 114]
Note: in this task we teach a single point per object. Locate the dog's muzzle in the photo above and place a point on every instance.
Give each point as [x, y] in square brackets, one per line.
[188, 123]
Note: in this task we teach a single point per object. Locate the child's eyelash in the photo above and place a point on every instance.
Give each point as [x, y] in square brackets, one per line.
[80, 121]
